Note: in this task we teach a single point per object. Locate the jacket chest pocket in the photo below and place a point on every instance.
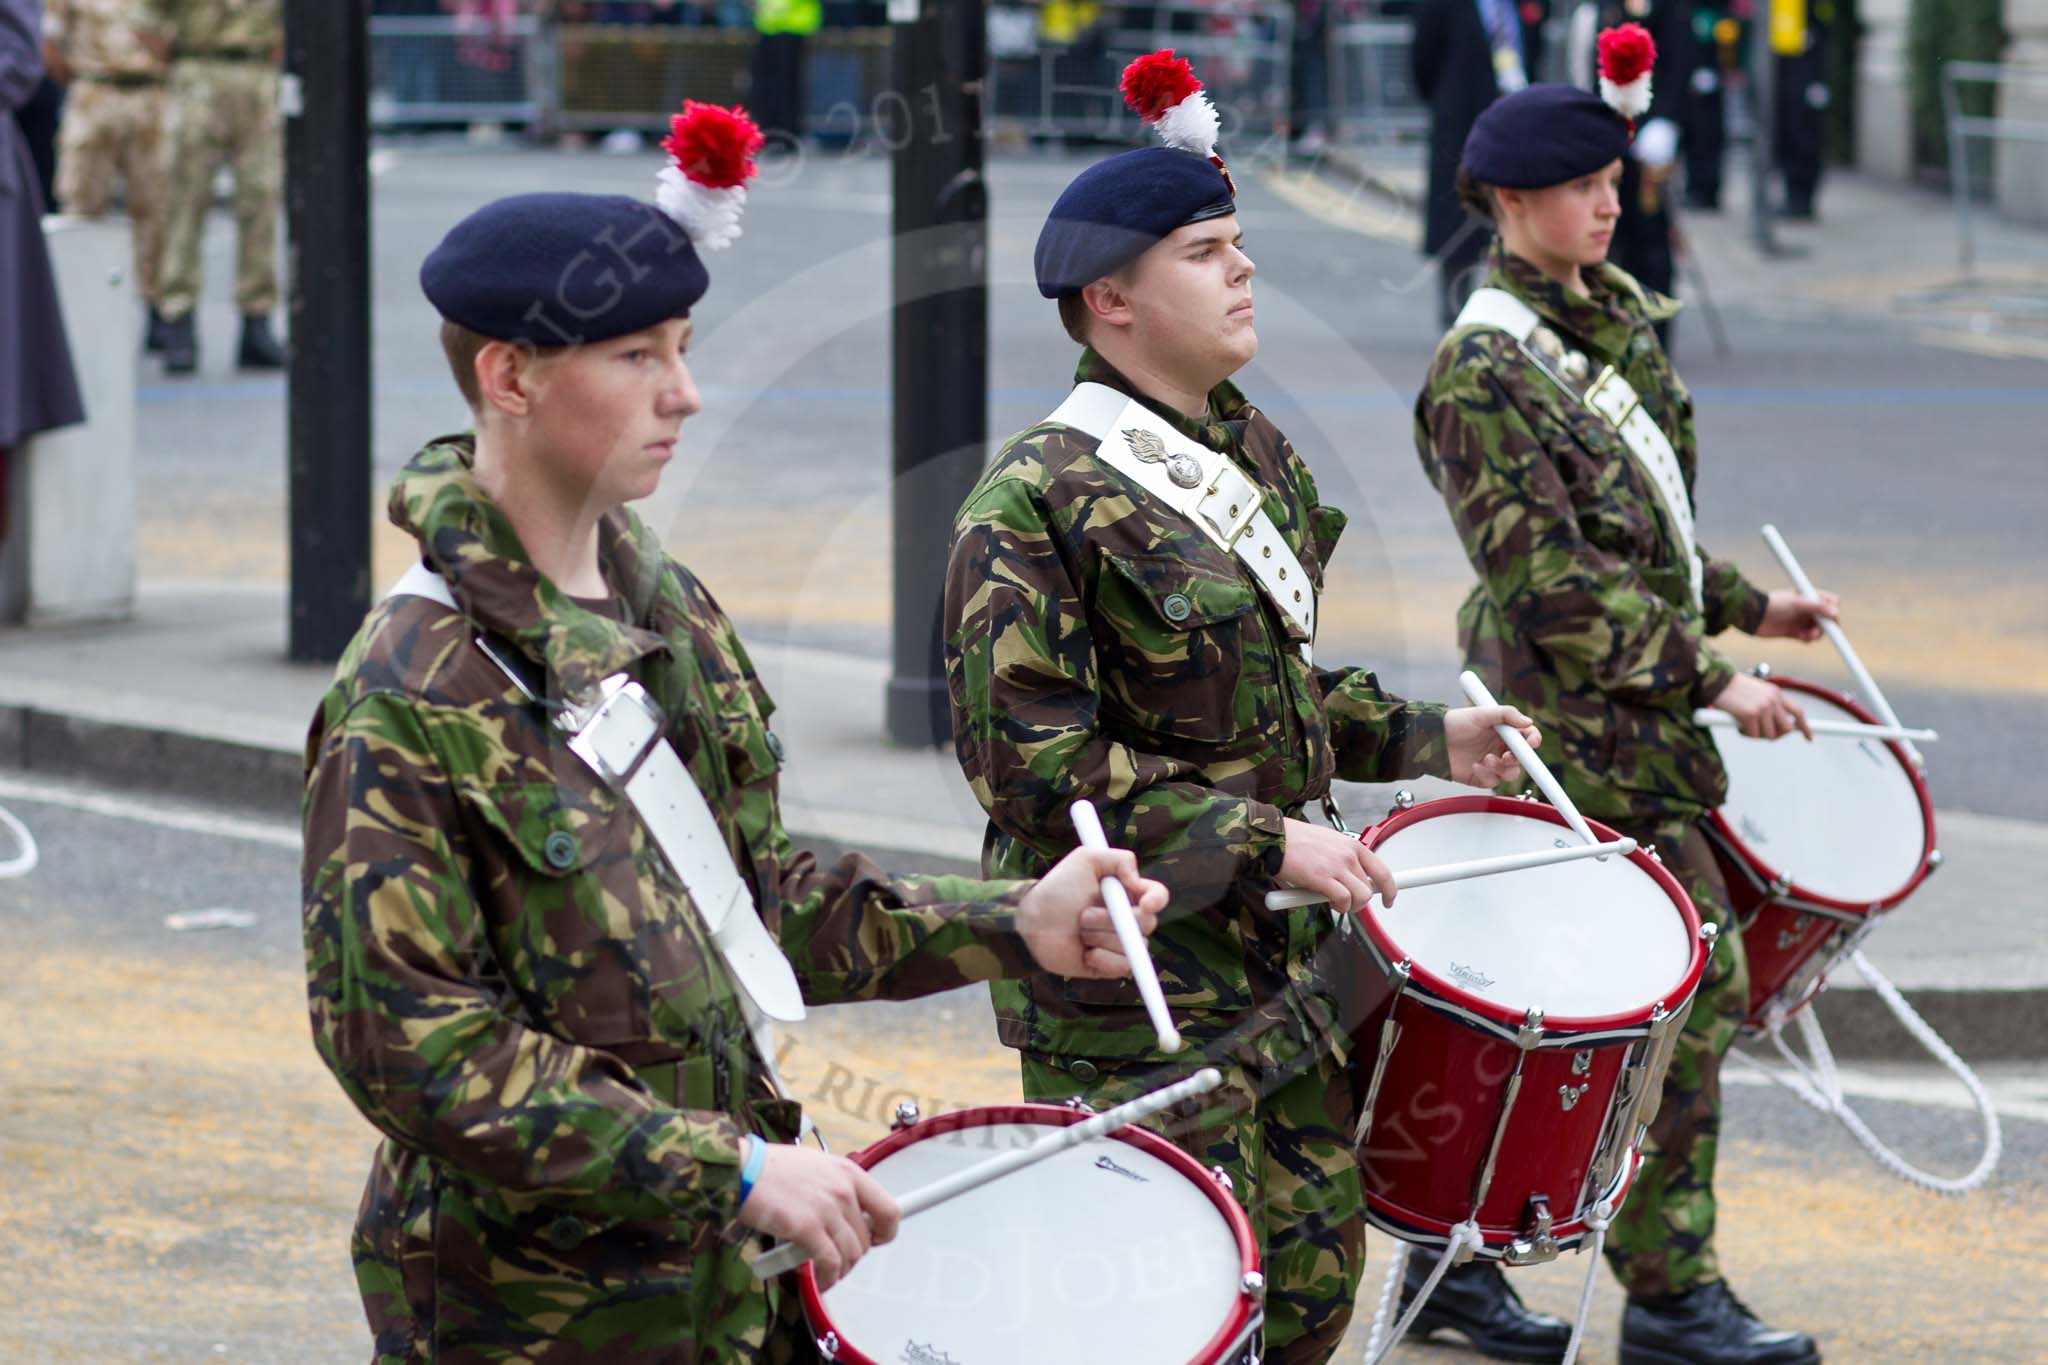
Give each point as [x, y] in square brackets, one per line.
[1173, 635]
[586, 923]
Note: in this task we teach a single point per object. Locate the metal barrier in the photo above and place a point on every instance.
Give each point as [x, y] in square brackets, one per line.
[1371, 90]
[439, 70]
[1962, 127]
[1242, 53]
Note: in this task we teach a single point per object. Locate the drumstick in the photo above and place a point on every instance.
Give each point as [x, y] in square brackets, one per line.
[788, 1255]
[1865, 684]
[1089, 826]
[1846, 729]
[1477, 867]
[1531, 764]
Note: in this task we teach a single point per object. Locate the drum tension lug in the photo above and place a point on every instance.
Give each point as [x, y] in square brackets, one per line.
[1253, 1284]
[1535, 1246]
[1531, 1032]
[1935, 858]
[1404, 799]
[1077, 1104]
[1709, 931]
[1222, 1179]
[1762, 670]
[828, 1346]
[906, 1115]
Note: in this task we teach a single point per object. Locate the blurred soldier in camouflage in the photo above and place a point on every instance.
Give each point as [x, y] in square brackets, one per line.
[547, 1001]
[223, 111]
[1130, 618]
[1593, 612]
[113, 56]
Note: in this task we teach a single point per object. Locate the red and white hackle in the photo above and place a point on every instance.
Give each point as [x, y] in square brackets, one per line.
[1627, 54]
[1162, 90]
[705, 186]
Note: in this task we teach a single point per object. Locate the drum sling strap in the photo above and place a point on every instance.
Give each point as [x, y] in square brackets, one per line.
[1614, 400]
[620, 736]
[1205, 488]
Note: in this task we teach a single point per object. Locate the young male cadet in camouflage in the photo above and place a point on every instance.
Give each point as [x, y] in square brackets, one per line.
[506, 975]
[1587, 614]
[1100, 645]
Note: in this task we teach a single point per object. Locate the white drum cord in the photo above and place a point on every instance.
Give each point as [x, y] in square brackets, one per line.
[1817, 1082]
[24, 860]
[1463, 1235]
[1598, 1220]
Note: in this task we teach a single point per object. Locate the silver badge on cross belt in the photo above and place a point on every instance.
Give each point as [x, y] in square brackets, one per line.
[1184, 470]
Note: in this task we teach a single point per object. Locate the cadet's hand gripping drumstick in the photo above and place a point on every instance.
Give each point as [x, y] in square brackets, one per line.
[1440, 873]
[1089, 826]
[1841, 729]
[788, 1255]
[1865, 684]
[1526, 756]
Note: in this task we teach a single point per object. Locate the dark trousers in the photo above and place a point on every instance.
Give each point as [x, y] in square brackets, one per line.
[776, 98]
[1800, 104]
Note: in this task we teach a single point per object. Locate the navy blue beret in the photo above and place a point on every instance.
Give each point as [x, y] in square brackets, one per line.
[1543, 135]
[1116, 209]
[564, 269]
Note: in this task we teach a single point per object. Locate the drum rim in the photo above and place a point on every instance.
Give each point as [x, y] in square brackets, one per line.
[1058, 1116]
[1421, 1230]
[1681, 991]
[1766, 875]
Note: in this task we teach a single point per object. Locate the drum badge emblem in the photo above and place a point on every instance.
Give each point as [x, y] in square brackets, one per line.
[1184, 470]
[1103, 1163]
[1568, 1095]
[1469, 978]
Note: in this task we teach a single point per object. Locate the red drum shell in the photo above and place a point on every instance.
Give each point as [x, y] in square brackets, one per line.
[1440, 1095]
[1784, 924]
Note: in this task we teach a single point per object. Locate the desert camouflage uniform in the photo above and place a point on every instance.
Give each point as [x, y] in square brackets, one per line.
[223, 110]
[113, 129]
[1100, 646]
[1583, 617]
[513, 987]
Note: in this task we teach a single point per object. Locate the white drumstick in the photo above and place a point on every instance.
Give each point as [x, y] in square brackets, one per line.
[1526, 756]
[1088, 825]
[1844, 729]
[788, 1255]
[1865, 684]
[1440, 873]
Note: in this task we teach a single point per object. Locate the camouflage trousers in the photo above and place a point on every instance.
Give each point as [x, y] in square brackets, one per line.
[115, 135]
[1282, 1136]
[223, 113]
[1662, 1241]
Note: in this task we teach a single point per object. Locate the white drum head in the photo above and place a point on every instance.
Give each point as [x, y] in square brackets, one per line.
[1837, 817]
[1575, 939]
[1103, 1252]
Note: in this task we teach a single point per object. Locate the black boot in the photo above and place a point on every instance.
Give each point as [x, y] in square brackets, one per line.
[180, 346]
[153, 339]
[1475, 1300]
[260, 350]
[1707, 1326]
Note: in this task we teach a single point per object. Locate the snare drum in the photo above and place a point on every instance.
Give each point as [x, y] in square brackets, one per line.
[1516, 1027]
[1815, 842]
[1122, 1248]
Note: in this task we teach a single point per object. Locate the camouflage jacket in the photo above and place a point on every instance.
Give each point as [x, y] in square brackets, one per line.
[1098, 645]
[103, 37]
[511, 984]
[199, 28]
[1583, 614]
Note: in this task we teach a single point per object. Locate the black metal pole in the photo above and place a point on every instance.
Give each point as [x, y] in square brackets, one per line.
[327, 215]
[939, 349]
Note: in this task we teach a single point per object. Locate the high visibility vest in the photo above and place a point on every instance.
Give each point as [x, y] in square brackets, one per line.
[788, 16]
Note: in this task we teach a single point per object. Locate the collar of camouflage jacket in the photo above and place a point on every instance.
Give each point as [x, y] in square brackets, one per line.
[1603, 320]
[1227, 415]
[465, 538]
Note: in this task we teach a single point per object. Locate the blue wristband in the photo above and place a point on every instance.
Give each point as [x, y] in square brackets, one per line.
[750, 1169]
